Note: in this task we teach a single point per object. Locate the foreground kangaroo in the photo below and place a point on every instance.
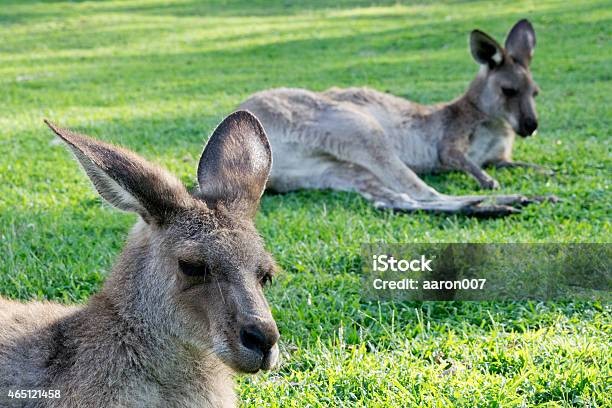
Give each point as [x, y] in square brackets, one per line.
[183, 307]
[373, 143]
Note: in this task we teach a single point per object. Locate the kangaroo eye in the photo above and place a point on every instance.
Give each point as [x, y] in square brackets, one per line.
[266, 280]
[193, 269]
[509, 92]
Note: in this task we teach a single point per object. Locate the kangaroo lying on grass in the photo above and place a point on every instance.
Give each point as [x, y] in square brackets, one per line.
[183, 307]
[363, 140]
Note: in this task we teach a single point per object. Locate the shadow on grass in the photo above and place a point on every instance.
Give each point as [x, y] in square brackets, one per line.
[259, 8]
[196, 8]
[422, 51]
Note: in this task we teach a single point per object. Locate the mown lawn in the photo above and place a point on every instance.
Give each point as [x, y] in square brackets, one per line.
[156, 76]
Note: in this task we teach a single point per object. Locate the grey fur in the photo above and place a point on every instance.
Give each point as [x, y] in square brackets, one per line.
[362, 140]
[156, 336]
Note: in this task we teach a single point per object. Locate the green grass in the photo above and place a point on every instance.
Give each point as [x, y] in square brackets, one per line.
[157, 76]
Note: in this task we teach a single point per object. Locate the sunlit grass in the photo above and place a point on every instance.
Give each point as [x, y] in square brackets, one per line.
[156, 76]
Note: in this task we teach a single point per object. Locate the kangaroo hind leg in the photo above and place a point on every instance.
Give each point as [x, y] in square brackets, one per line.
[350, 177]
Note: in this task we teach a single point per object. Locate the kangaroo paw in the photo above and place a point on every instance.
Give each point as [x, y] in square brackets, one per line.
[489, 184]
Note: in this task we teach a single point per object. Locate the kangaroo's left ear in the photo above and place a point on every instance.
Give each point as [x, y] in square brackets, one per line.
[485, 49]
[521, 42]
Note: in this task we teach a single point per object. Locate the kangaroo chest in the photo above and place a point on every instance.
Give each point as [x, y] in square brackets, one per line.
[490, 142]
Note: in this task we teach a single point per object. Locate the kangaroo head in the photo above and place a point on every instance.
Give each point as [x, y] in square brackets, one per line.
[194, 267]
[505, 86]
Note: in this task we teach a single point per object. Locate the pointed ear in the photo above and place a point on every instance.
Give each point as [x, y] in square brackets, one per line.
[521, 42]
[126, 180]
[235, 164]
[485, 50]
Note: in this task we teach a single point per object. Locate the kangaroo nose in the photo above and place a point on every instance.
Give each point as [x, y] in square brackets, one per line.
[258, 338]
[530, 125]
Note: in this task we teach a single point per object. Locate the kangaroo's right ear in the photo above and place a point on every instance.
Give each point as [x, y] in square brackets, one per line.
[235, 164]
[485, 50]
[521, 42]
[126, 180]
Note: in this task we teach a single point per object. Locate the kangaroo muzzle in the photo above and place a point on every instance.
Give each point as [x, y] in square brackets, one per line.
[528, 127]
[260, 341]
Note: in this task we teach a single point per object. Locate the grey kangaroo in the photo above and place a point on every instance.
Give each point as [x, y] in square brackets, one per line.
[182, 310]
[374, 143]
